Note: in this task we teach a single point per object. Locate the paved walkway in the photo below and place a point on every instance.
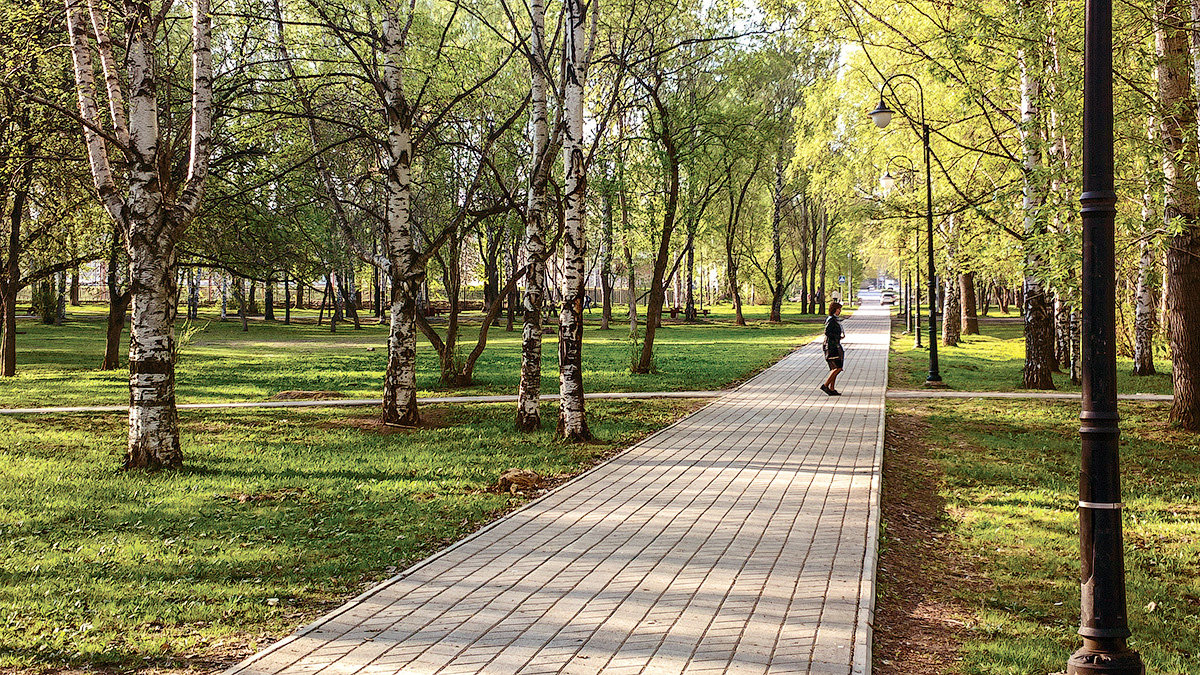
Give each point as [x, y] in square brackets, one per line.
[356, 402]
[1049, 395]
[742, 539]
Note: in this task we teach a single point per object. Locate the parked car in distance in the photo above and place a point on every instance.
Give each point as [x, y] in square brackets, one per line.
[887, 297]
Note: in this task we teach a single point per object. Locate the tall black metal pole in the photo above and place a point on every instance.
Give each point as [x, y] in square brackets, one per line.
[1103, 622]
[917, 289]
[934, 375]
[909, 297]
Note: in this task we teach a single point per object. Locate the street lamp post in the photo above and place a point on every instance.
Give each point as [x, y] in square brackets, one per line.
[882, 115]
[1103, 624]
[906, 282]
[850, 294]
[917, 289]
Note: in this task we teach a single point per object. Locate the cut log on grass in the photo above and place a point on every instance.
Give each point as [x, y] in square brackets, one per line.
[515, 481]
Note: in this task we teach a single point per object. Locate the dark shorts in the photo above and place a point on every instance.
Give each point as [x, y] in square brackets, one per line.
[835, 356]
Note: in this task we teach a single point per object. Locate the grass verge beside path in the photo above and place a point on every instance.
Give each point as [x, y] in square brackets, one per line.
[993, 361]
[56, 365]
[277, 518]
[981, 566]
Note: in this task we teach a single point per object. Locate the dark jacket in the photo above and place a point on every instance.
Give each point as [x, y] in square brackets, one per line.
[833, 332]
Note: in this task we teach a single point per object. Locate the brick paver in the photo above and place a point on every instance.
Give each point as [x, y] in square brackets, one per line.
[742, 539]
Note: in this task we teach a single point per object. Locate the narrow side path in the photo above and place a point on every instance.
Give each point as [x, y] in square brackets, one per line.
[363, 402]
[1049, 395]
[742, 539]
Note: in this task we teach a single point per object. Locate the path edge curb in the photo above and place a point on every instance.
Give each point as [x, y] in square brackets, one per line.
[864, 631]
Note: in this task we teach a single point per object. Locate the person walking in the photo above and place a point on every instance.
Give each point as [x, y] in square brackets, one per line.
[834, 354]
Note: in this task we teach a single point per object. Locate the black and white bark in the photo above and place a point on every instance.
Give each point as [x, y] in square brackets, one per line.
[951, 289]
[606, 261]
[572, 419]
[529, 388]
[193, 301]
[400, 378]
[825, 229]
[1144, 306]
[150, 209]
[952, 311]
[1037, 310]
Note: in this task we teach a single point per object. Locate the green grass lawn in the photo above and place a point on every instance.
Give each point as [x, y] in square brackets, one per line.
[57, 364]
[1009, 478]
[278, 517]
[993, 361]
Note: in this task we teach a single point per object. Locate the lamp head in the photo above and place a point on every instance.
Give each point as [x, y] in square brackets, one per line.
[881, 115]
[887, 181]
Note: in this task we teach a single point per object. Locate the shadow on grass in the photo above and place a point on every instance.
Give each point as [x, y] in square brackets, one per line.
[1010, 483]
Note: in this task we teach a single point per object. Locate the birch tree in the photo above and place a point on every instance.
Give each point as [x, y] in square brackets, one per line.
[952, 305]
[1143, 313]
[572, 420]
[529, 389]
[130, 160]
[402, 126]
[1038, 315]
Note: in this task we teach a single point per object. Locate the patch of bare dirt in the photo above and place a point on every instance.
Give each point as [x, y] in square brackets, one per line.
[431, 418]
[302, 395]
[205, 659]
[919, 625]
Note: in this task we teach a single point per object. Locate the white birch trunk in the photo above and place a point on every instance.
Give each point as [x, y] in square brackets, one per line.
[1143, 322]
[606, 244]
[151, 228]
[400, 379]
[1060, 189]
[572, 421]
[153, 419]
[1144, 310]
[85, 86]
[529, 390]
[952, 305]
[1039, 322]
[112, 81]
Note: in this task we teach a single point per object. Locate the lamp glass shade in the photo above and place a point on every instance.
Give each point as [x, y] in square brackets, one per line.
[881, 115]
[887, 181]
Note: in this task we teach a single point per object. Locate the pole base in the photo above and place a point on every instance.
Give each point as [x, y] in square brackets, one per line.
[1092, 662]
